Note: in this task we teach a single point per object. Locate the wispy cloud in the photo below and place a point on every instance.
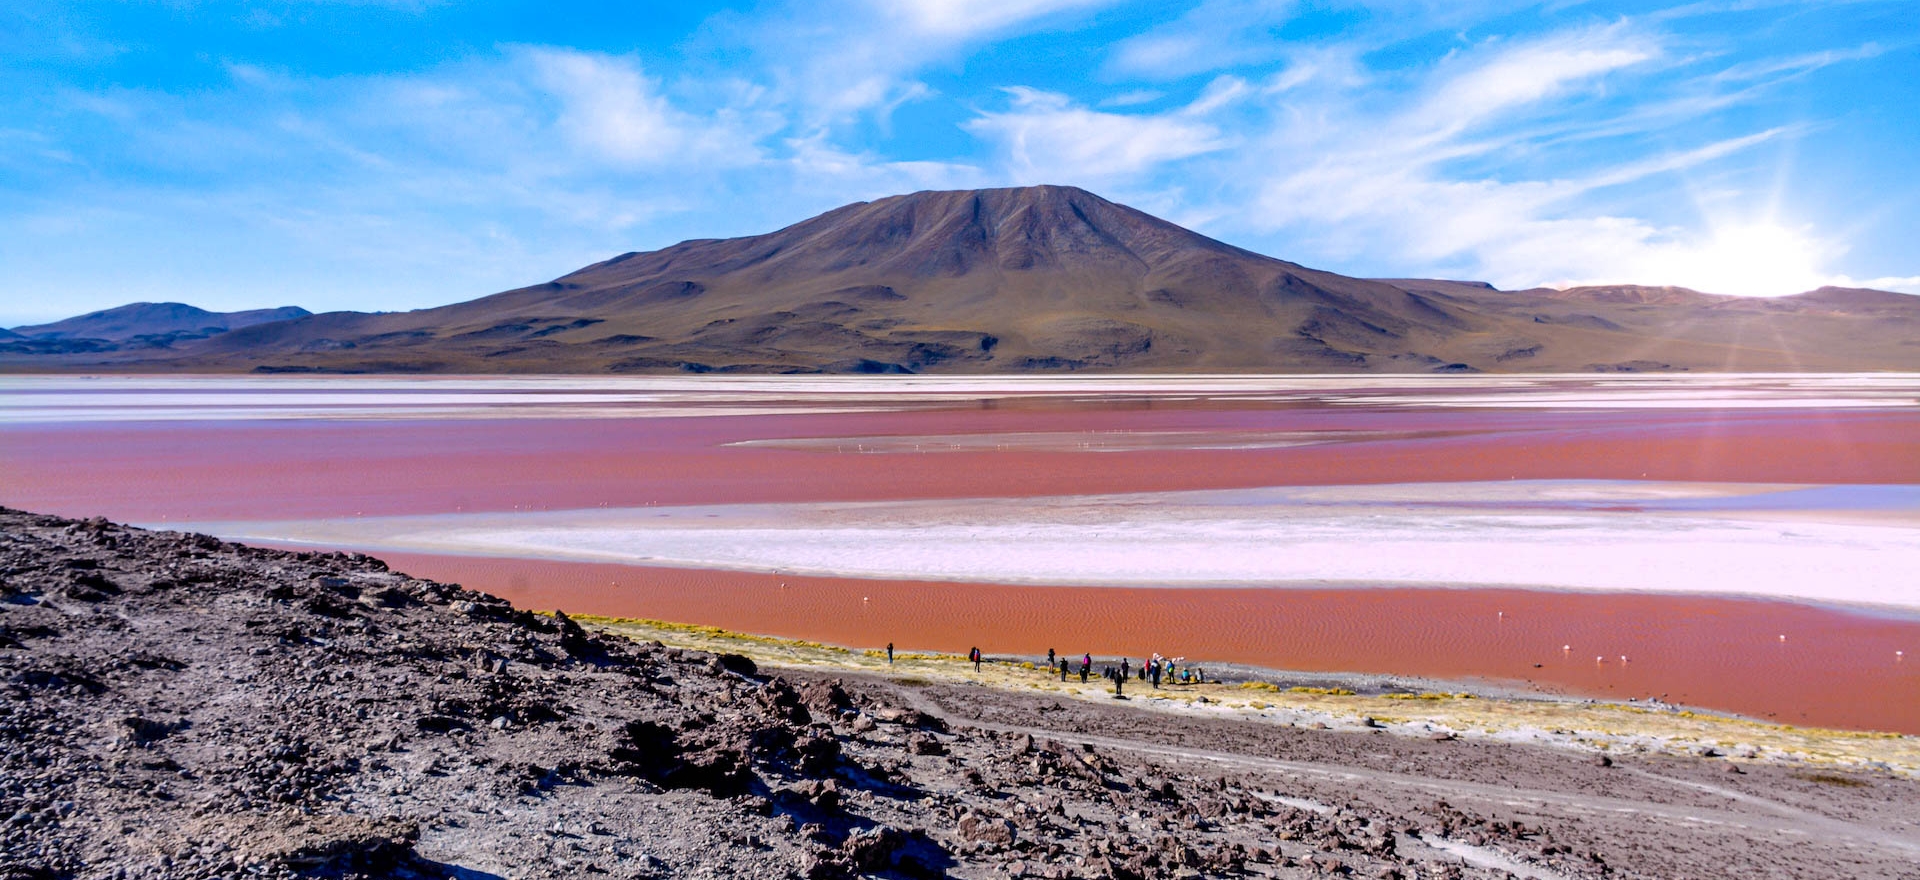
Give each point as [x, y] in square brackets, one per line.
[961, 19]
[1384, 173]
[1215, 35]
[1504, 77]
[1397, 178]
[1509, 140]
[1046, 138]
[1799, 64]
[833, 73]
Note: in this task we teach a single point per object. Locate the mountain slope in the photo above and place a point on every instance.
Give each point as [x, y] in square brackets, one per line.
[1036, 278]
[1044, 279]
[155, 319]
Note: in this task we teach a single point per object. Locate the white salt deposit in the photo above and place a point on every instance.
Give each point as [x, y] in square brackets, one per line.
[161, 398]
[1724, 539]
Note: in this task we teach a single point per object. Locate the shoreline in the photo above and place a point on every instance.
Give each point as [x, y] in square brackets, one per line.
[1706, 651]
[1408, 706]
[1879, 610]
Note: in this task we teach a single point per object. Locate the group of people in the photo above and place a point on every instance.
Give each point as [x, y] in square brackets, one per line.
[1154, 670]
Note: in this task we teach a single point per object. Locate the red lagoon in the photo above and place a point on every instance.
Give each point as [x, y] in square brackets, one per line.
[1836, 668]
[150, 472]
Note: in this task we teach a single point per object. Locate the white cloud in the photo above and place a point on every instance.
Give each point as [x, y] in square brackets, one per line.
[959, 19]
[1906, 284]
[1326, 66]
[1797, 65]
[609, 106]
[1133, 98]
[833, 71]
[1354, 181]
[849, 176]
[1517, 76]
[1633, 171]
[1215, 35]
[1046, 138]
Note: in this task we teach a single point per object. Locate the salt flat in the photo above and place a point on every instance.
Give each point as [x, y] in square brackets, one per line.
[26, 399]
[1700, 538]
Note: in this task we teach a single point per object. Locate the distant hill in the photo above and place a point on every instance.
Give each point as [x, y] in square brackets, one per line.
[1042, 279]
[1632, 294]
[138, 326]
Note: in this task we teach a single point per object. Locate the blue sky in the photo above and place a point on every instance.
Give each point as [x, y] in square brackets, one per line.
[393, 154]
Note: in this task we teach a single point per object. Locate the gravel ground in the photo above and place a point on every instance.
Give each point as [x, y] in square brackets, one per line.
[176, 706]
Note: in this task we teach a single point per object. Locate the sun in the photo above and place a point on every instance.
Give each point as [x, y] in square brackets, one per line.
[1750, 259]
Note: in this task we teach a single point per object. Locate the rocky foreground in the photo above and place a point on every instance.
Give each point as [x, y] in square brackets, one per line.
[176, 706]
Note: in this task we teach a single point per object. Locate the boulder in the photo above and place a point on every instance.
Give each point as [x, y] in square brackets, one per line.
[825, 698]
[978, 828]
[922, 744]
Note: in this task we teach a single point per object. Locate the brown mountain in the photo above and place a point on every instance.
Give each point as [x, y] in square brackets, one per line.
[140, 326]
[1046, 279]
[155, 319]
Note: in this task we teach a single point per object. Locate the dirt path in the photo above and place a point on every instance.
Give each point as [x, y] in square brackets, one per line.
[1628, 794]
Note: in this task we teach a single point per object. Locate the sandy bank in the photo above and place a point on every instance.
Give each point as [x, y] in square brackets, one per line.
[1404, 706]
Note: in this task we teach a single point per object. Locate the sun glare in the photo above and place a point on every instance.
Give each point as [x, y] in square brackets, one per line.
[1749, 259]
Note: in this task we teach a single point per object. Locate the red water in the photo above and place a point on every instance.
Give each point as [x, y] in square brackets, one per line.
[304, 469]
[1837, 667]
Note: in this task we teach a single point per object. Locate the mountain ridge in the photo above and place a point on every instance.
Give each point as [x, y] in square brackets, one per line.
[1043, 279]
[138, 326]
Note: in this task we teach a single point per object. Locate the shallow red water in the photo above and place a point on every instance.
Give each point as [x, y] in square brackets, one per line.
[1836, 669]
[301, 469]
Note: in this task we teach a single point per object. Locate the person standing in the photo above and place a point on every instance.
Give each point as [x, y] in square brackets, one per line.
[974, 655]
[1063, 669]
[1086, 667]
[1155, 667]
[1125, 670]
[889, 653]
[1049, 656]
